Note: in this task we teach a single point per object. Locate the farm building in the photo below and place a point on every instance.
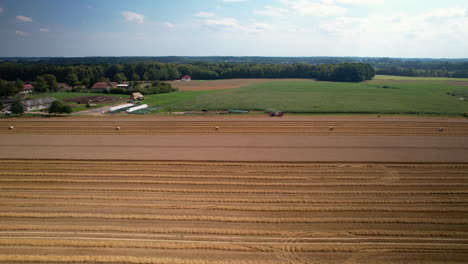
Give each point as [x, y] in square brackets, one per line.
[136, 108]
[27, 88]
[186, 78]
[101, 86]
[38, 104]
[137, 96]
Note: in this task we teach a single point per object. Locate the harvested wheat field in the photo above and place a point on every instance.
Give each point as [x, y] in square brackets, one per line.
[254, 190]
[69, 211]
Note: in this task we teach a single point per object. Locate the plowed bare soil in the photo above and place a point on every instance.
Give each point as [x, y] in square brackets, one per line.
[234, 190]
[223, 84]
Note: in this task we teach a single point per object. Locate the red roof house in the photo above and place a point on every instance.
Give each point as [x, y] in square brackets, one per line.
[27, 88]
[187, 78]
[101, 86]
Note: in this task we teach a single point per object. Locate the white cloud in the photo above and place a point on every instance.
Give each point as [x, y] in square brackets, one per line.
[21, 33]
[439, 27]
[343, 26]
[44, 30]
[452, 12]
[204, 14]
[222, 23]
[227, 24]
[233, 1]
[315, 8]
[169, 25]
[259, 27]
[133, 17]
[362, 2]
[271, 11]
[24, 19]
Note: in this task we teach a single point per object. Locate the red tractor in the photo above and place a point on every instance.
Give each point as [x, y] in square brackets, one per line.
[277, 114]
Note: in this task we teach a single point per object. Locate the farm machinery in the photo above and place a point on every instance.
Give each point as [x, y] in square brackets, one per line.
[276, 114]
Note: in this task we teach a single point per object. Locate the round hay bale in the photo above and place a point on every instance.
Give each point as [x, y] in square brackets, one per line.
[117, 128]
[441, 129]
[379, 115]
[331, 128]
[10, 128]
[216, 128]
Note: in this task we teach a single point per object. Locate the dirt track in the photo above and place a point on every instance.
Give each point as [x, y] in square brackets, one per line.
[237, 148]
[238, 139]
[292, 190]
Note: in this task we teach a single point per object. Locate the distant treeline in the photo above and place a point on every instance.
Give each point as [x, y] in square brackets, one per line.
[87, 75]
[424, 69]
[388, 66]
[374, 61]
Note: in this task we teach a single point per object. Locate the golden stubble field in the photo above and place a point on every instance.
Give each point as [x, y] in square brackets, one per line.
[119, 209]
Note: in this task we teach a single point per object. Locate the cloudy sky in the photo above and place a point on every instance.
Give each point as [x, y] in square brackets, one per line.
[377, 28]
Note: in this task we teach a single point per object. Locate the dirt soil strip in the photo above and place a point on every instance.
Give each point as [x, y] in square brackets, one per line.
[237, 148]
[223, 84]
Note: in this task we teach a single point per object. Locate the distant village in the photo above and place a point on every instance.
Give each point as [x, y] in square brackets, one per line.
[136, 90]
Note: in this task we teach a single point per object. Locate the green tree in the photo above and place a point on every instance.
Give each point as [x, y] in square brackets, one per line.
[17, 108]
[41, 85]
[51, 82]
[104, 79]
[86, 82]
[72, 80]
[58, 107]
[120, 78]
[7, 88]
[135, 77]
[18, 85]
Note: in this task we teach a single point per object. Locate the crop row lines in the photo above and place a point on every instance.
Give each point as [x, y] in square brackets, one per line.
[272, 208]
[151, 175]
[233, 191]
[335, 246]
[376, 176]
[310, 220]
[231, 164]
[233, 232]
[387, 184]
[56, 170]
[111, 259]
[350, 200]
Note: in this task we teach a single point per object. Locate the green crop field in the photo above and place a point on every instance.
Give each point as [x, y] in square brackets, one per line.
[405, 78]
[421, 96]
[326, 97]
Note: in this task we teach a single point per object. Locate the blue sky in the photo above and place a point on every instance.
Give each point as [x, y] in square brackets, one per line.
[378, 28]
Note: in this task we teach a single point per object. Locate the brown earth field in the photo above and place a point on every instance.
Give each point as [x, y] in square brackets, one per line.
[223, 84]
[201, 190]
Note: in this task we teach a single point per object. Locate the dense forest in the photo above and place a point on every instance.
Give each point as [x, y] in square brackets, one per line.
[386, 66]
[87, 75]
